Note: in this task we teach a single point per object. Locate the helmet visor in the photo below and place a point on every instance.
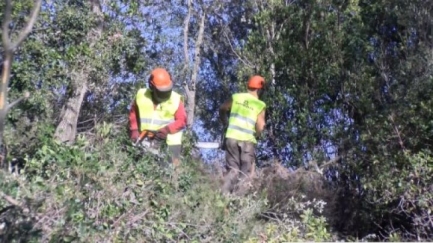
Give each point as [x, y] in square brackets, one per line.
[161, 96]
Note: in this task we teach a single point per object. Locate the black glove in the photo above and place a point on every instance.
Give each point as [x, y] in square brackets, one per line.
[223, 138]
[162, 133]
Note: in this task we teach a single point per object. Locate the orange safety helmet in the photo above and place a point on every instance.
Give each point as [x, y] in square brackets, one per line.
[161, 84]
[160, 79]
[256, 82]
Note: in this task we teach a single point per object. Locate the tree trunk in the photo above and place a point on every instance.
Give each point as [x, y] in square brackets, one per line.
[66, 130]
[3, 90]
[8, 56]
[190, 87]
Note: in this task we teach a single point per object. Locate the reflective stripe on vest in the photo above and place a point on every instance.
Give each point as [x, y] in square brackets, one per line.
[155, 118]
[243, 115]
[156, 122]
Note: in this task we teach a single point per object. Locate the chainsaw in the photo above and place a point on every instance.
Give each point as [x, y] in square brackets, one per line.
[214, 145]
[204, 145]
[144, 134]
[147, 141]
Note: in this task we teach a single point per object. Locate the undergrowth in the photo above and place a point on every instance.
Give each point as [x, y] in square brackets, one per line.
[101, 189]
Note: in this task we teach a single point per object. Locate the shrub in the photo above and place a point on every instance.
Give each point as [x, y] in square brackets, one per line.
[103, 190]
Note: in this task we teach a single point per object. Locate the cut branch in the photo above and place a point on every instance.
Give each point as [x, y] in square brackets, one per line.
[10, 200]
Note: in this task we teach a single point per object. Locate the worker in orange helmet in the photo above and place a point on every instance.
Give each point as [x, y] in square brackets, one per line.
[160, 112]
[245, 124]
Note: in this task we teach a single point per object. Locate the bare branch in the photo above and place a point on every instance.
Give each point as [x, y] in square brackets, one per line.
[185, 41]
[319, 169]
[330, 162]
[397, 131]
[244, 61]
[197, 57]
[14, 202]
[15, 102]
[28, 28]
[5, 27]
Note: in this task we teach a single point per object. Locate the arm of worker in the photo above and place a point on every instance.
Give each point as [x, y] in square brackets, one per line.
[223, 112]
[133, 121]
[260, 123]
[179, 120]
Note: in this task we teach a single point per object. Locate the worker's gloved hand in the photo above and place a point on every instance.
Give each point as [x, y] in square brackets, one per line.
[134, 135]
[162, 133]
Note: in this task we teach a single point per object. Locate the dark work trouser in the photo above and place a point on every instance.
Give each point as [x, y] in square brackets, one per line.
[174, 151]
[240, 159]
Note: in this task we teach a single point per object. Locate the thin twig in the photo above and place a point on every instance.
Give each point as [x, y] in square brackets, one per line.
[236, 53]
[28, 28]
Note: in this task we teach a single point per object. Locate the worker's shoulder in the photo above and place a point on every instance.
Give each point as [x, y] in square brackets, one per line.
[141, 91]
[239, 94]
[260, 103]
[177, 94]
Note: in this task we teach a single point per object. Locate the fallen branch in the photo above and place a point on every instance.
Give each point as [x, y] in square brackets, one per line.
[10, 200]
[319, 169]
[25, 209]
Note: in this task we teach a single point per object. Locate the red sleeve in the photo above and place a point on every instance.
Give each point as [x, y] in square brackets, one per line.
[133, 117]
[179, 119]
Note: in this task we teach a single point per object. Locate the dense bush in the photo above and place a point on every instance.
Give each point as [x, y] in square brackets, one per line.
[347, 79]
[103, 190]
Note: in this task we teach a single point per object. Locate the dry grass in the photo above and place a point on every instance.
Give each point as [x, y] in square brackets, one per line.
[280, 185]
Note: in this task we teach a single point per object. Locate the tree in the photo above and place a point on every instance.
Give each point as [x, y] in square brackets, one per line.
[190, 81]
[227, 28]
[9, 48]
[80, 75]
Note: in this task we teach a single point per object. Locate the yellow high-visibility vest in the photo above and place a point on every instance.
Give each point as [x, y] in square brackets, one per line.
[154, 119]
[243, 116]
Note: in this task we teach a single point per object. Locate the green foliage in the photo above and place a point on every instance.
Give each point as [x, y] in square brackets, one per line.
[309, 227]
[349, 82]
[407, 186]
[348, 78]
[102, 189]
